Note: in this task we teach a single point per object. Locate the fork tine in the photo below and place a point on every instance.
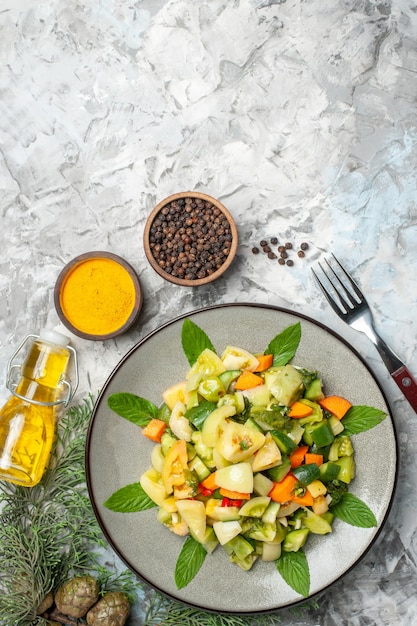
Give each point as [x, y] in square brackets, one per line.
[352, 283]
[345, 297]
[336, 308]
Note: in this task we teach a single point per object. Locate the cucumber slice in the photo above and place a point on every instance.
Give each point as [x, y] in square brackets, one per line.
[295, 540]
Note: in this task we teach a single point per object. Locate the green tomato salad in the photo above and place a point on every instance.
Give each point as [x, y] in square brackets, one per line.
[250, 455]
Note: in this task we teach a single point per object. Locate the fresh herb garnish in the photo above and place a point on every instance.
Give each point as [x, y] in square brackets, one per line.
[354, 511]
[189, 562]
[293, 567]
[284, 346]
[133, 408]
[129, 499]
[361, 418]
[198, 414]
[194, 340]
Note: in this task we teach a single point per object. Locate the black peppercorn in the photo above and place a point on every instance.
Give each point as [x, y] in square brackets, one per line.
[190, 238]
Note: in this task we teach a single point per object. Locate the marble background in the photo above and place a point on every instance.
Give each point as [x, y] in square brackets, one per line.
[299, 115]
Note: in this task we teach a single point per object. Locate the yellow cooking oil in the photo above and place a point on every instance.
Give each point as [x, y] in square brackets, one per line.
[27, 420]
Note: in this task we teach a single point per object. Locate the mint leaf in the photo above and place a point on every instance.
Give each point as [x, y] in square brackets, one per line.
[361, 418]
[284, 346]
[129, 499]
[293, 567]
[190, 559]
[354, 511]
[197, 415]
[194, 340]
[133, 408]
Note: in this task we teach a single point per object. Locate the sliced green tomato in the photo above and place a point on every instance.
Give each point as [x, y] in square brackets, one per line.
[179, 424]
[174, 394]
[235, 358]
[255, 507]
[218, 460]
[157, 458]
[285, 383]
[152, 485]
[207, 364]
[316, 524]
[215, 423]
[176, 462]
[269, 455]
[235, 399]
[193, 512]
[237, 477]
[211, 388]
[237, 443]
[258, 396]
[225, 531]
[227, 513]
[262, 485]
[346, 469]
[258, 530]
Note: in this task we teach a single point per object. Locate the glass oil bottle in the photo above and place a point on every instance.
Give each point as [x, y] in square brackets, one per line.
[27, 420]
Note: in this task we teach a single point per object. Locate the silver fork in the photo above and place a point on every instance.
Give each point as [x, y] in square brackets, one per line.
[351, 306]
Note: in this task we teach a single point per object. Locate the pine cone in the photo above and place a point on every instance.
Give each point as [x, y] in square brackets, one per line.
[111, 610]
[77, 595]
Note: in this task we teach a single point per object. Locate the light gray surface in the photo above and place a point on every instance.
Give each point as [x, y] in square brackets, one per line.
[299, 116]
[118, 454]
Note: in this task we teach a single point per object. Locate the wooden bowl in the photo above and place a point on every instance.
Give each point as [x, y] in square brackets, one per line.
[98, 296]
[190, 239]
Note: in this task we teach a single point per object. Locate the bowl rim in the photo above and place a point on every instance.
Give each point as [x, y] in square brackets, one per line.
[78, 260]
[198, 281]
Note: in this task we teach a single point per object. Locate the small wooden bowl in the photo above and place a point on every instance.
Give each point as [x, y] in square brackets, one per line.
[112, 306]
[176, 205]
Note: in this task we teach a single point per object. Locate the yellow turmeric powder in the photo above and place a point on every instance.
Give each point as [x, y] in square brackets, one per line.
[97, 296]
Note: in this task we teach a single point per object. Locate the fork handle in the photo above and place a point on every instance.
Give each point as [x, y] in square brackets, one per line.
[407, 384]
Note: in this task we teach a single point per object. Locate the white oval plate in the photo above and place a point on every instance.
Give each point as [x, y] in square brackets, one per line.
[117, 454]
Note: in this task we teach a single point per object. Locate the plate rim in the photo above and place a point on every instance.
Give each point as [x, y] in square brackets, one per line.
[96, 407]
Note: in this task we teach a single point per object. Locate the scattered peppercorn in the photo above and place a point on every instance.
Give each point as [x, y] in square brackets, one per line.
[266, 249]
[263, 243]
[190, 238]
[300, 253]
[272, 255]
[288, 245]
[281, 261]
[304, 246]
[290, 262]
[274, 241]
[255, 250]
[283, 254]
